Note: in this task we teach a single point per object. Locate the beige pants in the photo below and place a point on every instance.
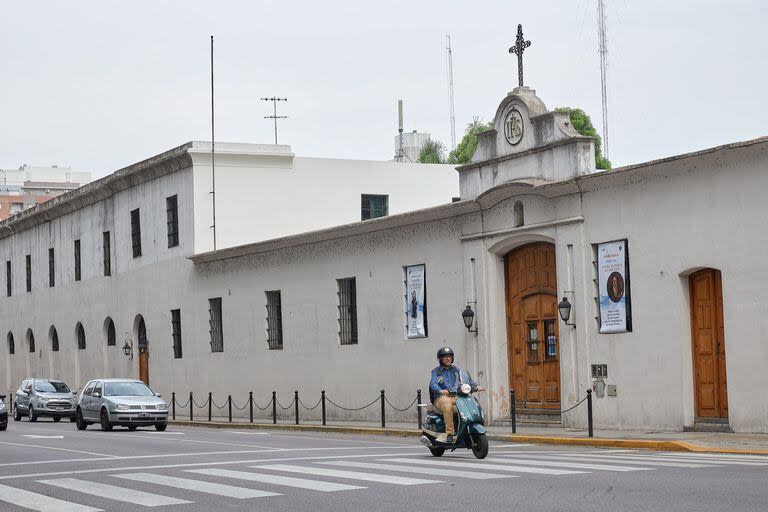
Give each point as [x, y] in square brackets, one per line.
[445, 405]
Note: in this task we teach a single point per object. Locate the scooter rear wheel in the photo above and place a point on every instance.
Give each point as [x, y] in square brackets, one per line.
[480, 448]
[437, 452]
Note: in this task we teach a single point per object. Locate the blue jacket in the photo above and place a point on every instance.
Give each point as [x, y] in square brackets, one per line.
[446, 378]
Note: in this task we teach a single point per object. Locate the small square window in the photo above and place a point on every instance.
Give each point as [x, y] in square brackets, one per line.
[374, 206]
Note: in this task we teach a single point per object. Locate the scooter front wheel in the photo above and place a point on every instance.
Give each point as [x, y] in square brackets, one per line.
[437, 452]
[480, 448]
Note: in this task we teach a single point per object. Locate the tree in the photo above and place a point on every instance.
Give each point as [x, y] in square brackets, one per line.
[463, 152]
[583, 124]
[432, 152]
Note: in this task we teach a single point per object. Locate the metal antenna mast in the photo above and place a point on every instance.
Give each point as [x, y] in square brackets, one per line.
[399, 156]
[602, 49]
[213, 155]
[450, 91]
[274, 116]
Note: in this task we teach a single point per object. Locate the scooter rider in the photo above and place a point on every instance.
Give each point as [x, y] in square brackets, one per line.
[444, 379]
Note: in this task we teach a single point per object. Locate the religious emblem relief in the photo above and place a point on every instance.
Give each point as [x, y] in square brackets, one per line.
[513, 126]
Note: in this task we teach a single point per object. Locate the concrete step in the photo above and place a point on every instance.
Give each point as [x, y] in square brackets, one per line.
[709, 425]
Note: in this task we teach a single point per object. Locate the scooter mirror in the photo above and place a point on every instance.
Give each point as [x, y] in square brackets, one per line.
[480, 374]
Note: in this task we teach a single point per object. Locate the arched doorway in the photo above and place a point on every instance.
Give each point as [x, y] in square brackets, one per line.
[140, 333]
[533, 348]
[708, 338]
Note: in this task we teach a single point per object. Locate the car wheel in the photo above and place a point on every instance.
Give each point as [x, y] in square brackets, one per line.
[32, 416]
[16, 414]
[106, 425]
[56, 419]
[79, 421]
[160, 427]
[3, 427]
[72, 419]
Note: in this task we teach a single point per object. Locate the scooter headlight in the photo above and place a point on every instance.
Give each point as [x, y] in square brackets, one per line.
[466, 389]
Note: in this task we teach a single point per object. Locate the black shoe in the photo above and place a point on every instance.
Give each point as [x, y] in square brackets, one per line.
[449, 439]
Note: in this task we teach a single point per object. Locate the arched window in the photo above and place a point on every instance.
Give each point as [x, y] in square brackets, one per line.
[109, 332]
[31, 340]
[518, 215]
[80, 335]
[11, 344]
[53, 336]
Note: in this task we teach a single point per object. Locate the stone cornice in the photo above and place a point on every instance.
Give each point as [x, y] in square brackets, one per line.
[532, 151]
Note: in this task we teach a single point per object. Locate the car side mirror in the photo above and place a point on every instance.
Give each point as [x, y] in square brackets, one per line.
[96, 394]
[158, 395]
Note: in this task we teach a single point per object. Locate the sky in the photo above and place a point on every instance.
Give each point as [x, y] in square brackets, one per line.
[99, 84]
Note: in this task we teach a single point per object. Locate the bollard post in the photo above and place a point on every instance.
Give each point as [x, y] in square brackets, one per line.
[173, 405]
[210, 410]
[383, 422]
[418, 406]
[274, 407]
[229, 402]
[513, 410]
[589, 413]
[191, 406]
[250, 404]
[322, 401]
[296, 405]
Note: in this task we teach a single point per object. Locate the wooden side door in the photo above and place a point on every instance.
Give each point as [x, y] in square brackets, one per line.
[708, 338]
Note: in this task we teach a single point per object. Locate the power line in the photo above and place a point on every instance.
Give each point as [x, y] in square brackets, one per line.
[274, 116]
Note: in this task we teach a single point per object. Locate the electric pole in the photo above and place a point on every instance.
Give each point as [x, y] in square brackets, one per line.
[274, 116]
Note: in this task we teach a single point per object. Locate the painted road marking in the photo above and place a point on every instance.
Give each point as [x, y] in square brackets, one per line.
[352, 475]
[411, 469]
[35, 436]
[453, 463]
[113, 492]
[288, 481]
[40, 502]
[567, 464]
[691, 460]
[622, 460]
[229, 491]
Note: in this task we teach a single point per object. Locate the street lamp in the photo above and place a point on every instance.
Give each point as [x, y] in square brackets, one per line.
[128, 348]
[469, 317]
[564, 307]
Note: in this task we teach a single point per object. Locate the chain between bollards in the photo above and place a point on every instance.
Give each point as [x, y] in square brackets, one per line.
[250, 404]
[322, 400]
[274, 407]
[418, 406]
[173, 405]
[513, 410]
[589, 413]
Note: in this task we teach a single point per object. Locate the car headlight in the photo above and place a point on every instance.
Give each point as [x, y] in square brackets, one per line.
[41, 400]
[466, 389]
[121, 407]
[162, 407]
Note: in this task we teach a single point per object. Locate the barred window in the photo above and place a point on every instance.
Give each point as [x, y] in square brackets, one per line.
[31, 340]
[373, 206]
[106, 244]
[274, 320]
[347, 311]
[216, 327]
[172, 213]
[51, 268]
[54, 335]
[77, 260]
[80, 334]
[11, 344]
[176, 329]
[8, 286]
[29, 272]
[136, 233]
[111, 335]
[595, 282]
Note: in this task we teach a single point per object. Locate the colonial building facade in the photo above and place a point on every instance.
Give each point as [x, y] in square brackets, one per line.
[658, 264]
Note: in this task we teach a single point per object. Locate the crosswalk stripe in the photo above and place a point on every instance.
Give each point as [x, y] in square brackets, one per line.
[40, 502]
[622, 460]
[230, 491]
[484, 466]
[720, 456]
[690, 460]
[352, 475]
[288, 481]
[566, 464]
[113, 492]
[410, 469]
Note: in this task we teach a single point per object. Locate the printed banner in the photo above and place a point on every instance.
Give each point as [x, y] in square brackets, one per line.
[613, 285]
[415, 302]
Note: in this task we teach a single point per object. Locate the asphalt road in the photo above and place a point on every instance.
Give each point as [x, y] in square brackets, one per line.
[52, 467]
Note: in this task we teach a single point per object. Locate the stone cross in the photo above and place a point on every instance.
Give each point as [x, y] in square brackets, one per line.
[520, 45]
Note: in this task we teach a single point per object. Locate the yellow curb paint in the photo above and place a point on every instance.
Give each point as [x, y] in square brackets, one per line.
[641, 444]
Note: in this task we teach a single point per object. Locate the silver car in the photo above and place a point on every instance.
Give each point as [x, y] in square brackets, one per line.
[44, 397]
[125, 402]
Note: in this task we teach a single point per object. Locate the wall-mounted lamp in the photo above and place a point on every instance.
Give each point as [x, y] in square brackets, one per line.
[564, 307]
[469, 318]
[128, 348]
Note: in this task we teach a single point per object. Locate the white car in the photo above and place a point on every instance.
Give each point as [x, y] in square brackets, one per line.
[125, 402]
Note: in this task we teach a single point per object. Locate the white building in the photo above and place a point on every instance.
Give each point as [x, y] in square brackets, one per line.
[685, 328]
[412, 143]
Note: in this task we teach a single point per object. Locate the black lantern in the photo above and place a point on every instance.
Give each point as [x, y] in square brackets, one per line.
[128, 349]
[469, 318]
[564, 307]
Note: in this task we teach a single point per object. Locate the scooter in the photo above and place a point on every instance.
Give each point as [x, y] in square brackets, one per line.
[468, 420]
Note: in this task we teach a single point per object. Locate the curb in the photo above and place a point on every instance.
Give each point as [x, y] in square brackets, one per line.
[641, 444]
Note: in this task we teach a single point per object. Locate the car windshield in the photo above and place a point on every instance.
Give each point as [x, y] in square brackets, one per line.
[51, 387]
[126, 389]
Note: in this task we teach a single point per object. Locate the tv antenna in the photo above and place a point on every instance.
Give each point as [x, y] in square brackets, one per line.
[274, 100]
[602, 49]
[450, 91]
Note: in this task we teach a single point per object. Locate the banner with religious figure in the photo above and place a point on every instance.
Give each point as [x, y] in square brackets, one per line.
[613, 287]
[415, 302]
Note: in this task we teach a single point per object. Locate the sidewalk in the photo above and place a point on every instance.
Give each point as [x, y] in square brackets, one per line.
[715, 442]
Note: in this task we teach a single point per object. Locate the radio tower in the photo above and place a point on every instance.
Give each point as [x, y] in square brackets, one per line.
[450, 91]
[602, 49]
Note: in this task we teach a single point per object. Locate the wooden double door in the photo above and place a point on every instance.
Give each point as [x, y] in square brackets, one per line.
[532, 327]
[708, 336]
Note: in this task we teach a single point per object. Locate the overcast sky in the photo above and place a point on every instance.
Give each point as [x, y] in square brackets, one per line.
[98, 85]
